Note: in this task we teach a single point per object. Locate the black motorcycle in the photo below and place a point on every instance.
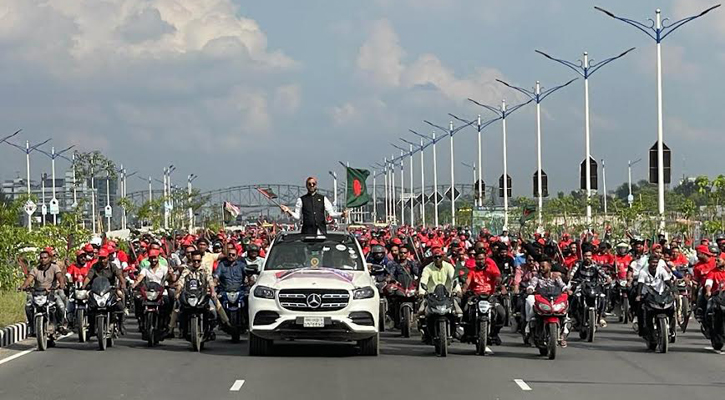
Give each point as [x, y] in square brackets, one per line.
[439, 321]
[196, 322]
[480, 316]
[153, 318]
[588, 298]
[658, 311]
[715, 320]
[103, 309]
[619, 300]
[79, 297]
[380, 273]
[44, 318]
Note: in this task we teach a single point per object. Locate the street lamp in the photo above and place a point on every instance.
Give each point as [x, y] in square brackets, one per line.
[124, 193]
[402, 183]
[479, 128]
[658, 30]
[586, 69]
[190, 179]
[538, 96]
[334, 188]
[630, 197]
[451, 132]
[30, 207]
[433, 142]
[422, 175]
[472, 167]
[503, 113]
[54, 201]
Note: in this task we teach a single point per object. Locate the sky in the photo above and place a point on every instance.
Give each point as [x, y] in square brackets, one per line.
[244, 92]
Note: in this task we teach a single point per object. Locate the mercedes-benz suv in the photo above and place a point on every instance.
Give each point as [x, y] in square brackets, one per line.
[314, 287]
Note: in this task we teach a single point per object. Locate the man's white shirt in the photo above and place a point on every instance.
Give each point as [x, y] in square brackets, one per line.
[329, 208]
[656, 281]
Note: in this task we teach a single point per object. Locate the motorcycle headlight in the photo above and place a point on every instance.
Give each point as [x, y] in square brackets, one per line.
[232, 297]
[484, 306]
[544, 307]
[40, 300]
[264, 292]
[152, 295]
[441, 310]
[101, 300]
[623, 283]
[81, 294]
[559, 307]
[366, 292]
[192, 301]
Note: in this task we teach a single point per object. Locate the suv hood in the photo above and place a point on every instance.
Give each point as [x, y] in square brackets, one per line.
[314, 277]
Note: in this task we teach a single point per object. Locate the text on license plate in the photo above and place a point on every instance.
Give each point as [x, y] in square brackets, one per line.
[314, 322]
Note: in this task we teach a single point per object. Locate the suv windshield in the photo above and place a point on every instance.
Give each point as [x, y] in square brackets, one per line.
[296, 251]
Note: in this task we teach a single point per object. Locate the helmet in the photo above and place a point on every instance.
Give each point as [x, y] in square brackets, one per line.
[377, 252]
[719, 237]
[714, 250]
[252, 247]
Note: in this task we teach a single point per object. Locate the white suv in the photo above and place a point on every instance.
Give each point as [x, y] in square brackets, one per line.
[314, 287]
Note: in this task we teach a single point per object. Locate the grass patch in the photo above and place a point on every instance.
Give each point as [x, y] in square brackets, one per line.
[12, 307]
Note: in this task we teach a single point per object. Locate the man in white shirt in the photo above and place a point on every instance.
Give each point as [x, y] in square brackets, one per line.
[655, 276]
[311, 209]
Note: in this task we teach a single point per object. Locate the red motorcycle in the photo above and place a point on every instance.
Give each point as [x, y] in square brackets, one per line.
[403, 302]
[550, 308]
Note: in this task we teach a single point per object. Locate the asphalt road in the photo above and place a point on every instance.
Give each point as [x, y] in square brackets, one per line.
[615, 366]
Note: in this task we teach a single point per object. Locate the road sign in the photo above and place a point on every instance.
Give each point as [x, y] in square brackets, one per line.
[667, 157]
[74, 205]
[435, 198]
[456, 193]
[421, 199]
[54, 207]
[583, 171]
[44, 209]
[500, 186]
[168, 206]
[482, 192]
[108, 211]
[630, 199]
[30, 207]
[544, 184]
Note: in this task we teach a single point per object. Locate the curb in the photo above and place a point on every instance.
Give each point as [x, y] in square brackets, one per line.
[13, 334]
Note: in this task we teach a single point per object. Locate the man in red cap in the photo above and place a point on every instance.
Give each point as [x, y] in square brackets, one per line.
[79, 269]
[705, 264]
[103, 268]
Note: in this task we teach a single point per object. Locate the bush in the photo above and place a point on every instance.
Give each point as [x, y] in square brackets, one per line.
[12, 308]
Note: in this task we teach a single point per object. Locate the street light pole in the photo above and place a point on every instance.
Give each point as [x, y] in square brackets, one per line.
[630, 197]
[53, 155]
[387, 193]
[27, 149]
[392, 189]
[538, 96]
[604, 189]
[586, 69]
[658, 31]
[190, 179]
[422, 173]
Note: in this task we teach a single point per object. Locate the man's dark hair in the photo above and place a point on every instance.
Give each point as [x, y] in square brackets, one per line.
[546, 259]
[197, 253]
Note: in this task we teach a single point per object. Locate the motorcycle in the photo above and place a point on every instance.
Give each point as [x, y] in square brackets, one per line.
[196, 323]
[154, 324]
[479, 319]
[79, 297]
[683, 303]
[619, 299]
[588, 295]
[658, 310]
[102, 303]
[380, 273]
[439, 321]
[715, 320]
[44, 318]
[402, 298]
[550, 308]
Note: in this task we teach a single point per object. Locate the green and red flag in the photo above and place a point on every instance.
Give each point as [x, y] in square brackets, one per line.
[527, 213]
[357, 190]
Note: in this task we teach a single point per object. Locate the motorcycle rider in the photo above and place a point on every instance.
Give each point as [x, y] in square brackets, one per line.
[230, 275]
[656, 276]
[715, 280]
[49, 277]
[253, 259]
[103, 268]
[587, 270]
[405, 265]
[483, 279]
[544, 279]
[378, 256]
[622, 260]
[439, 272]
[193, 271]
[705, 263]
[161, 274]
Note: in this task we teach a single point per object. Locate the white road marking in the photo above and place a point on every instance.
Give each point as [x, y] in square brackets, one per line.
[522, 385]
[237, 385]
[715, 351]
[24, 352]
[488, 350]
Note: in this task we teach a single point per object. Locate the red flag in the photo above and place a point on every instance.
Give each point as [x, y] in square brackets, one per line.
[267, 192]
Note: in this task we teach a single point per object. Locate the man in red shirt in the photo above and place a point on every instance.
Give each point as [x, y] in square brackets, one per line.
[483, 281]
[705, 264]
[79, 269]
[715, 280]
[622, 260]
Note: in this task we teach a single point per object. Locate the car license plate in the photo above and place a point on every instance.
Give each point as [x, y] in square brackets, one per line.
[314, 322]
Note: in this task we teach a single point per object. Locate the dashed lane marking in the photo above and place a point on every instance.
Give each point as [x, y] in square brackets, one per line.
[522, 385]
[24, 352]
[237, 385]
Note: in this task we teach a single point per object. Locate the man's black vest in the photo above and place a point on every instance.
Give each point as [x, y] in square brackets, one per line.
[313, 214]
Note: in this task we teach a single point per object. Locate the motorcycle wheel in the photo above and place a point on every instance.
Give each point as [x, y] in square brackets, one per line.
[664, 333]
[553, 340]
[381, 318]
[111, 333]
[717, 341]
[81, 323]
[405, 322]
[101, 332]
[195, 333]
[150, 330]
[40, 333]
[592, 328]
[685, 312]
[482, 338]
[625, 310]
[442, 344]
[509, 312]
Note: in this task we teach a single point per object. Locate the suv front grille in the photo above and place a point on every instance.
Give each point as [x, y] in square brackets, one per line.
[313, 300]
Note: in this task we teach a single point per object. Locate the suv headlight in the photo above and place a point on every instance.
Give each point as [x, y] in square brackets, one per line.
[264, 292]
[366, 292]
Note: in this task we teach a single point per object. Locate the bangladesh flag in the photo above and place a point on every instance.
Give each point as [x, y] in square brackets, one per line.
[527, 213]
[357, 190]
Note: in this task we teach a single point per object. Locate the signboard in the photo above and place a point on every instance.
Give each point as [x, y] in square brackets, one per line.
[44, 209]
[30, 207]
[435, 198]
[500, 186]
[491, 218]
[455, 191]
[54, 207]
[667, 157]
[544, 184]
[583, 171]
[108, 212]
[421, 199]
[168, 206]
[479, 193]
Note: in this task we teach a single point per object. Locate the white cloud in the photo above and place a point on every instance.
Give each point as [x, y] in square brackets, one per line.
[381, 55]
[343, 114]
[287, 98]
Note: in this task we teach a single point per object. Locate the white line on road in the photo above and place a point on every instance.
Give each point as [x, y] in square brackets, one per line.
[24, 352]
[522, 385]
[713, 350]
[237, 385]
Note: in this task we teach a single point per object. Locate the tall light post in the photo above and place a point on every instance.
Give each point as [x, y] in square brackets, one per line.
[451, 132]
[108, 199]
[630, 197]
[538, 96]
[480, 126]
[503, 113]
[586, 69]
[433, 141]
[375, 195]
[190, 179]
[402, 182]
[658, 30]
[421, 147]
[334, 188]
[387, 193]
[54, 201]
[392, 188]
[473, 169]
[124, 193]
[30, 207]
[604, 188]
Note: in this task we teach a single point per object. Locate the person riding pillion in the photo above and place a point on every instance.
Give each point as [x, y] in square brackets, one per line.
[311, 208]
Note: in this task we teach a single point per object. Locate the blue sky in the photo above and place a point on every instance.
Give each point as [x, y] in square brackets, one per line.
[242, 92]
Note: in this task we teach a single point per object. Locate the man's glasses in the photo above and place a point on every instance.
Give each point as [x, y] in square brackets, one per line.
[151, 259]
[196, 261]
[101, 258]
[232, 254]
[311, 183]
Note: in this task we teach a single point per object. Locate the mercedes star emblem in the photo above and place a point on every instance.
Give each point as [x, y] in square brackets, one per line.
[314, 300]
